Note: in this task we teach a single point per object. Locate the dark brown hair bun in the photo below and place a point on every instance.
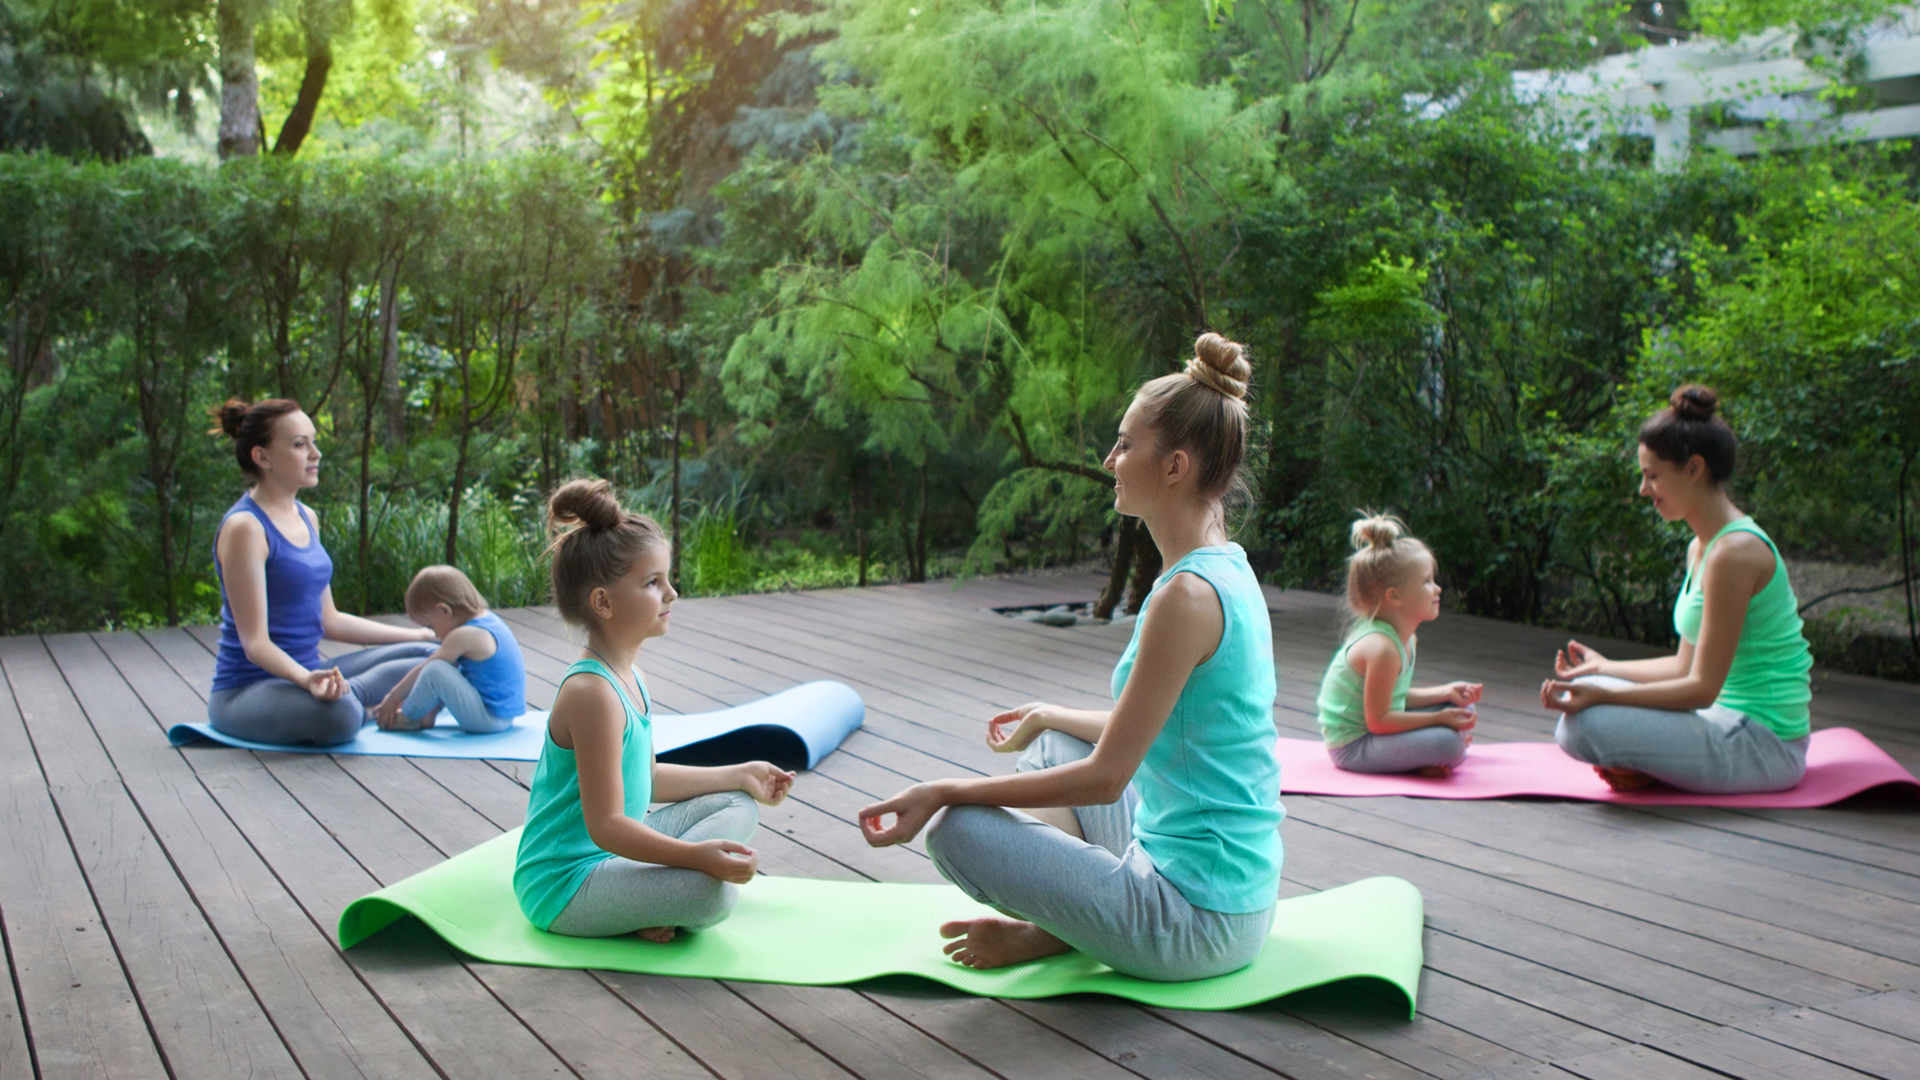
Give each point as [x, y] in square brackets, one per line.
[249, 426]
[1694, 402]
[595, 543]
[583, 502]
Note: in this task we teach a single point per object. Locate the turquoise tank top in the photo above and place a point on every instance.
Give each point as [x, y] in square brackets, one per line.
[1209, 814]
[1769, 680]
[1343, 693]
[556, 854]
[501, 678]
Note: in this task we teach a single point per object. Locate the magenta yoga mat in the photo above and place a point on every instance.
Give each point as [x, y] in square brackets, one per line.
[1841, 763]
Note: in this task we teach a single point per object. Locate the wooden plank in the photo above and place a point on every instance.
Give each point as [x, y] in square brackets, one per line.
[1738, 1053]
[331, 1022]
[75, 999]
[201, 1011]
[1870, 1050]
[594, 1031]
[16, 1055]
[1634, 1063]
[1896, 1012]
[990, 1034]
[863, 1038]
[720, 1030]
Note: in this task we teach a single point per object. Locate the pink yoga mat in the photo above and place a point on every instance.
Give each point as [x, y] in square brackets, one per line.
[1840, 762]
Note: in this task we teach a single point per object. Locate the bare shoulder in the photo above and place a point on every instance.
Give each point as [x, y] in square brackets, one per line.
[1186, 595]
[1373, 649]
[1741, 552]
[471, 640]
[241, 534]
[584, 704]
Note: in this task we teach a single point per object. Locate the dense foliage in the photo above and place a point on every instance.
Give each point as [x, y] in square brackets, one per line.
[857, 289]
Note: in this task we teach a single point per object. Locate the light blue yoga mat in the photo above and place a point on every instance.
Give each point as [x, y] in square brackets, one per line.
[794, 729]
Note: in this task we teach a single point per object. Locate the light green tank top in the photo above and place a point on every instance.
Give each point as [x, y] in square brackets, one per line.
[556, 854]
[1209, 814]
[1343, 693]
[1769, 679]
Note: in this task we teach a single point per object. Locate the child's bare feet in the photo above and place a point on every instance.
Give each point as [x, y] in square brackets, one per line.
[659, 935]
[1435, 772]
[1623, 779]
[994, 942]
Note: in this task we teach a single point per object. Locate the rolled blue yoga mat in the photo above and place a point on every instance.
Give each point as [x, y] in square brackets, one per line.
[794, 729]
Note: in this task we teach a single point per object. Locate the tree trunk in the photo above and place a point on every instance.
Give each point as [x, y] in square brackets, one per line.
[1117, 574]
[239, 83]
[312, 84]
[396, 433]
[673, 512]
[920, 529]
[1146, 567]
[459, 485]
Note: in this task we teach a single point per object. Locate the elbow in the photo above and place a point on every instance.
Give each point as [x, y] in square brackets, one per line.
[1378, 726]
[1108, 789]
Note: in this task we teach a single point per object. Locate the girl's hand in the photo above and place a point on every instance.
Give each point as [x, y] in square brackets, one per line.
[1464, 693]
[1576, 660]
[326, 684]
[1459, 719]
[1570, 697]
[728, 860]
[387, 713]
[766, 782]
[912, 809]
[1012, 731]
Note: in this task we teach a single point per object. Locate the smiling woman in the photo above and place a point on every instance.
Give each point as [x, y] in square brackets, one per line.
[276, 599]
[1727, 713]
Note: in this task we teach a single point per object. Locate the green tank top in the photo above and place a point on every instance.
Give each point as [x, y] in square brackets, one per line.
[556, 854]
[1209, 787]
[1769, 679]
[1343, 693]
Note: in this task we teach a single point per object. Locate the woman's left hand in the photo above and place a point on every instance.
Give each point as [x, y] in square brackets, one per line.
[766, 782]
[912, 809]
[1570, 697]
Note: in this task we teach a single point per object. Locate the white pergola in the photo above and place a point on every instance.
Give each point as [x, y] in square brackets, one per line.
[1764, 80]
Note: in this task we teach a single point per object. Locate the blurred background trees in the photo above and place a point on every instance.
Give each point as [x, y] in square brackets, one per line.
[855, 290]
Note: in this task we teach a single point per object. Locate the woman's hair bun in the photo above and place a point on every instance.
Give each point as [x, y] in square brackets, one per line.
[1377, 531]
[584, 503]
[1221, 364]
[1694, 402]
[229, 416]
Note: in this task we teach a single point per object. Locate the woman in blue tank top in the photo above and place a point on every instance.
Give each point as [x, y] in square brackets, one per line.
[276, 600]
[1150, 839]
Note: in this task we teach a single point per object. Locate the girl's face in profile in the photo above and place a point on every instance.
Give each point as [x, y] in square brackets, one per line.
[642, 598]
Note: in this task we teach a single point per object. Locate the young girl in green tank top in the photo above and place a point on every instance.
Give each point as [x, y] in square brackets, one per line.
[592, 861]
[1373, 718]
[1727, 713]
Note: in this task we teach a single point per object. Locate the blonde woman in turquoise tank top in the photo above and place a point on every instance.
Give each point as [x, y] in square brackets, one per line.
[1149, 838]
[592, 861]
[1372, 717]
[1727, 713]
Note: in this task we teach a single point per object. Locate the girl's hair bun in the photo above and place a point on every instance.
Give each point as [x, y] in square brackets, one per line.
[584, 503]
[1377, 531]
[1694, 402]
[1220, 364]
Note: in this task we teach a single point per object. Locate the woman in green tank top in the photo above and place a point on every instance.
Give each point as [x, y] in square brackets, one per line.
[1148, 834]
[1727, 713]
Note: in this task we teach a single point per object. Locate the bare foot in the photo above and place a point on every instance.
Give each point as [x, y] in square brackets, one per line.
[996, 942]
[1624, 779]
[659, 935]
[1436, 772]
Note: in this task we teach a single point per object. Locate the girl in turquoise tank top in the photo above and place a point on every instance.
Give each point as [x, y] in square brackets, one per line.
[1373, 718]
[592, 861]
[1727, 713]
[1149, 834]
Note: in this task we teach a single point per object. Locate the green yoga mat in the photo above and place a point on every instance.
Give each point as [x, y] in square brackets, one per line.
[824, 933]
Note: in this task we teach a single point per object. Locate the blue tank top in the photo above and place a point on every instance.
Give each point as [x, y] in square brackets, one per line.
[556, 853]
[296, 578]
[502, 677]
[1209, 814]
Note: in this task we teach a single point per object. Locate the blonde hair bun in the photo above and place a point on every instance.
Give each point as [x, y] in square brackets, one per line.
[585, 503]
[1220, 364]
[1377, 531]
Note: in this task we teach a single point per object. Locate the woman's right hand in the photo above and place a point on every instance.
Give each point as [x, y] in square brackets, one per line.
[326, 684]
[1010, 732]
[728, 860]
[1576, 660]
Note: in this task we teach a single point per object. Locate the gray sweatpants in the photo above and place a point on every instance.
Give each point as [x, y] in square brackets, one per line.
[1714, 751]
[276, 711]
[622, 896]
[442, 686]
[1403, 751]
[1101, 895]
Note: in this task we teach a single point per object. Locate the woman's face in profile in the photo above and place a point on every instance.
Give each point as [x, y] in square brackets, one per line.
[292, 456]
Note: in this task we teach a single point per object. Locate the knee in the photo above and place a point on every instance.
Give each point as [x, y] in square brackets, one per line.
[742, 812]
[715, 905]
[340, 722]
[1053, 748]
[957, 838]
[1571, 735]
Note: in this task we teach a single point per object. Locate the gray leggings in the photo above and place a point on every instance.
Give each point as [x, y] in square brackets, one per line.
[1404, 751]
[276, 711]
[1101, 895]
[622, 896]
[442, 686]
[1715, 751]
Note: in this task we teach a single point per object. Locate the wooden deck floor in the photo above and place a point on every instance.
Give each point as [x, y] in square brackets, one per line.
[171, 913]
